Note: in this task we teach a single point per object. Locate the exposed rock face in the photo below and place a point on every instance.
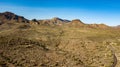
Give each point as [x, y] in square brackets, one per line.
[11, 17]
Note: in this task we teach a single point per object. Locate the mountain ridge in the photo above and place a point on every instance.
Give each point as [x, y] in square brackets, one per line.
[11, 17]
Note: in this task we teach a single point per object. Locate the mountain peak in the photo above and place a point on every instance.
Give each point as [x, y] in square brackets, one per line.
[77, 21]
[57, 18]
[7, 12]
[11, 17]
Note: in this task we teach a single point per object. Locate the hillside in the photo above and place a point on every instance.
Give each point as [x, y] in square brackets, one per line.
[57, 43]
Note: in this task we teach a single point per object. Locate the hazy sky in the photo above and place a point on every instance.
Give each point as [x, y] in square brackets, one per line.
[89, 11]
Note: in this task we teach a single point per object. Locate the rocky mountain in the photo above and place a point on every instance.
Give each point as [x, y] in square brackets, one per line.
[11, 17]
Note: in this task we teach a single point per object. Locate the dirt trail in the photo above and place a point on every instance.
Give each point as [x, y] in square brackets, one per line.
[115, 61]
[115, 58]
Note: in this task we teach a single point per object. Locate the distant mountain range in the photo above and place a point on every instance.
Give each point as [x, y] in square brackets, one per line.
[9, 17]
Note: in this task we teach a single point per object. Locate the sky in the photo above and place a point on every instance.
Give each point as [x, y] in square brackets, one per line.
[88, 11]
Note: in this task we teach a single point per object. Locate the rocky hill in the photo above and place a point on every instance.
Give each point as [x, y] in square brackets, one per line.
[7, 17]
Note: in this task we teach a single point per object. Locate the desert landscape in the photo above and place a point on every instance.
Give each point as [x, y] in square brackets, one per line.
[57, 42]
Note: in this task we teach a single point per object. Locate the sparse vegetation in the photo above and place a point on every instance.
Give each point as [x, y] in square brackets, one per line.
[41, 45]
